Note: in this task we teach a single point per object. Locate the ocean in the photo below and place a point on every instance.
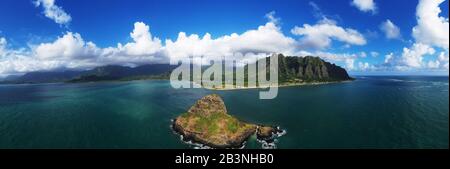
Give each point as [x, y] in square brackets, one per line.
[370, 112]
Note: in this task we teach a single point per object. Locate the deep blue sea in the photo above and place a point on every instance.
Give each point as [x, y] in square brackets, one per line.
[371, 112]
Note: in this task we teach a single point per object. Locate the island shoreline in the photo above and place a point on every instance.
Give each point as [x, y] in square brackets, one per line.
[208, 123]
[279, 86]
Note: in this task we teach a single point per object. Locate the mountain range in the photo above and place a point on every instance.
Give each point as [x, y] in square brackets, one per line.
[309, 68]
[103, 73]
[291, 69]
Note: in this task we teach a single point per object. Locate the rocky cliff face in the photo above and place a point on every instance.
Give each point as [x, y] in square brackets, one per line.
[207, 122]
[309, 68]
[301, 70]
[208, 105]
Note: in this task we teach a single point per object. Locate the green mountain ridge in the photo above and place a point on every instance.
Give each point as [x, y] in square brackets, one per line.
[291, 70]
[294, 70]
[309, 69]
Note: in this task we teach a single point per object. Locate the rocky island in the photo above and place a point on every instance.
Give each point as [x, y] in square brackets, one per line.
[207, 122]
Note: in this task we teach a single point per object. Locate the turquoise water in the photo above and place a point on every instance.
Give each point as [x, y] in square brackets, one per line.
[371, 112]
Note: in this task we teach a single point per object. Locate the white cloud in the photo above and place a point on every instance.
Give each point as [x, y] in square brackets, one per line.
[388, 58]
[345, 59]
[334, 57]
[390, 29]
[363, 66]
[444, 60]
[363, 54]
[143, 49]
[54, 12]
[16, 61]
[413, 57]
[72, 51]
[68, 51]
[433, 64]
[20, 64]
[72, 48]
[374, 54]
[365, 5]
[267, 38]
[316, 10]
[69, 46]
[431, 31]
[431, 28]
[271, 17]
[350, 64]
[143, 43]
[443, 57]
[319, 14]
[319, 36]
[2, 46]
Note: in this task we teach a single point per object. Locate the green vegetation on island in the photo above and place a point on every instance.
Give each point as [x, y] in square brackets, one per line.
[207, 122]
[292, 70]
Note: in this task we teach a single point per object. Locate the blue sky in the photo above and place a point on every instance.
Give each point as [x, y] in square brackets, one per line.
[358, 42]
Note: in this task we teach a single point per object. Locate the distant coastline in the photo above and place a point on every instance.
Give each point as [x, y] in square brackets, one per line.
[281, 85]
[195, 84]
[293, 71]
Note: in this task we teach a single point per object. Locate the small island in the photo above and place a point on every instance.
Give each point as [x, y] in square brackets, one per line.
[208, 123]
